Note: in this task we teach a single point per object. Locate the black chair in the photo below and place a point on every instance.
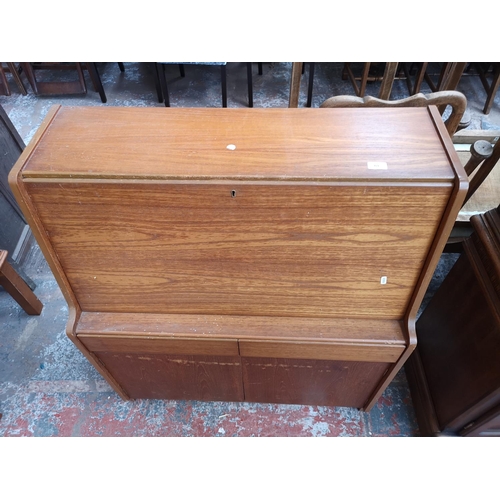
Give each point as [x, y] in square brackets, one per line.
[162, 88]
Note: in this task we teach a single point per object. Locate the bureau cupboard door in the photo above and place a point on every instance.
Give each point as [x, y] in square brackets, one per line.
[311, 381]
[165, 368]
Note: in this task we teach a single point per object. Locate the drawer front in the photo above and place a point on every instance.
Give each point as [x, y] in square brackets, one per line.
[326, 351]
[159, 345]
[310, 382]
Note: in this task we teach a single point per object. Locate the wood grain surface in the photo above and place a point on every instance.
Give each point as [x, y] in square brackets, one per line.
[341, 330]
[277, 337]
[310, 382]
[313, 235]
[163, 376]
[269, 250]
[314, 144]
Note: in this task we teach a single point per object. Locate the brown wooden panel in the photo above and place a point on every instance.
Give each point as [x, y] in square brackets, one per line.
[241, 248]
[156, 345]
[162, 376]
[459, 342]
[313, 382]
[309, 350]
[141, 325]
[269, 144]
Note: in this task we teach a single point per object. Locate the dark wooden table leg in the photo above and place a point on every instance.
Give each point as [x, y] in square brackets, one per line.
[163, 83]
[17, 287]
[224, 85]
[96, 80]
[310, 86]
[157, 70]
[250, 84]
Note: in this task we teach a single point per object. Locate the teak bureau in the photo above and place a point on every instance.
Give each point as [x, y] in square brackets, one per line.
[268, 255]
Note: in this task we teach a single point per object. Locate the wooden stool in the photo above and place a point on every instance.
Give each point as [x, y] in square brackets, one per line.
[17, 287]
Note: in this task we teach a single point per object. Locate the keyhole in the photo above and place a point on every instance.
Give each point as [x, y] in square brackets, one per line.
[233, 193]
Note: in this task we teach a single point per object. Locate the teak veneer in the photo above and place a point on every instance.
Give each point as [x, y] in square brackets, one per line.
[272, 255]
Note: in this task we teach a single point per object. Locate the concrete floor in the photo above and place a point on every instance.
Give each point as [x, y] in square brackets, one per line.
[47, 388]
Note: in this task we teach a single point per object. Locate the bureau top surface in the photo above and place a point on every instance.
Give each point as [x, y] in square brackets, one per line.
[239, 144]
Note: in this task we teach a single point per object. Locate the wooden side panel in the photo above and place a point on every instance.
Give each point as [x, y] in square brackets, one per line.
[310, 382]
[459, 345]
[279, 249]
[164, 376]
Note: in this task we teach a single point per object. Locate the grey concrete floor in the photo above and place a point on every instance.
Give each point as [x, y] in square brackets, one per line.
[47, 388]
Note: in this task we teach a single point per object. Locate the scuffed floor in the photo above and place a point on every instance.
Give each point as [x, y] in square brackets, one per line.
[47, 387]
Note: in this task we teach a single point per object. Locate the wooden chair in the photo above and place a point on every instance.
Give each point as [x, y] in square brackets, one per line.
[485, 71]
[478, 157]
[4, 85]
[387, 79]
[58, 87]
[455, 99]
[13, 284]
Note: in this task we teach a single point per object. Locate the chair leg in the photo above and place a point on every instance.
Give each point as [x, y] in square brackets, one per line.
[360, 91]
[96, 80]
[310, 86]
[30, 75]
[293, 101]
[390, 72]
[122, 67]
[224, 85]
[181, 69]
[157, 82]
[17, 287]
[419, 78]
[250, 85]
[364, 79]
[4, 85]
[260, 68]
[492, 90]
[17, 78]
[163, 83]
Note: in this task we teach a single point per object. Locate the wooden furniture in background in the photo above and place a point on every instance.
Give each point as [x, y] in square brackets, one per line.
[293, 101]
[163, 87]
[15, 235]
[271, 255]
[61, 87]
[484, 189]
[387, 81]
[454, 374]
[17, 287]
[4, 84]
[55, 87]
[491, 71]
[455, 100]
[387, 78]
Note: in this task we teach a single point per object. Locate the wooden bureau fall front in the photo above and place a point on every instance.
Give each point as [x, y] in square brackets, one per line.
[266, 255]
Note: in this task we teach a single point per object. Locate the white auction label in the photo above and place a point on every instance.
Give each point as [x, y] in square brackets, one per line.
[377, 165]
